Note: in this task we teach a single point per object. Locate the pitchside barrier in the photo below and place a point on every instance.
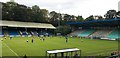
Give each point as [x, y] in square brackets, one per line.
[64, 53]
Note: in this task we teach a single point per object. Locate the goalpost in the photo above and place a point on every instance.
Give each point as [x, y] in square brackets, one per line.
[64, 53]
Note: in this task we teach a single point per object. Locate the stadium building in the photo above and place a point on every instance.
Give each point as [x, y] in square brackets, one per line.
[54, 47]
[96, 29]
[15, 28]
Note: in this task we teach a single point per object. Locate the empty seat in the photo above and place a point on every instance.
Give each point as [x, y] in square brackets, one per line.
[115, 34]
[86, 33]
[13, 33]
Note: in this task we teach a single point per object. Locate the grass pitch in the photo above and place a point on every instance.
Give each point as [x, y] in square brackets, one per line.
[19, 47]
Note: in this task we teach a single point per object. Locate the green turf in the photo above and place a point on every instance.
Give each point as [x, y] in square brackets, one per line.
[0, 48]
[89, 47]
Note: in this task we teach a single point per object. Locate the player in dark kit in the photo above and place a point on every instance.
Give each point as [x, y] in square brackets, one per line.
[25, 56]
[32, 40]
[43, 38]
[5, 37]
[66, 39]
[10, 37]
[27, 41]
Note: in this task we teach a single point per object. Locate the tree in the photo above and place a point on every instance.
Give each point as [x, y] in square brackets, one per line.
[20, 13]
[44, 15]
[54, 18]
[72, 18]
[91, 17]
[80, 19]
[52, 13]
[38, 14]
[14, 11]
[64, 30]
[67, 17]
[29, 14]
[36, 9]
[118, 14]
[110, 14]
[7, 10]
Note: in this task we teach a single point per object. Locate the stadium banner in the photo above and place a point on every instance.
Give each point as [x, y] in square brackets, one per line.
[0, 30]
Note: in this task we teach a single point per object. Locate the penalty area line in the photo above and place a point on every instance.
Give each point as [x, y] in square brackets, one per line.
[12, 50]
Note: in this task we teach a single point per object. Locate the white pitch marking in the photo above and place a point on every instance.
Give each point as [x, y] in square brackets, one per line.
[12, 50]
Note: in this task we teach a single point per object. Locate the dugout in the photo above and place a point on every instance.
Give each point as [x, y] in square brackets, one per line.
[64, 53]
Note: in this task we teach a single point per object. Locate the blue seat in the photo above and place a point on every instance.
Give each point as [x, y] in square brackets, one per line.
[1, 33]
[13, 32]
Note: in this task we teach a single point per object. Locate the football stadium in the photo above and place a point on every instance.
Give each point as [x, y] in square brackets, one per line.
[99, 41]
[98, 38]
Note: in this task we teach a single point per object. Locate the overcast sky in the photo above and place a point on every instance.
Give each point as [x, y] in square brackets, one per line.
[73, 7]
